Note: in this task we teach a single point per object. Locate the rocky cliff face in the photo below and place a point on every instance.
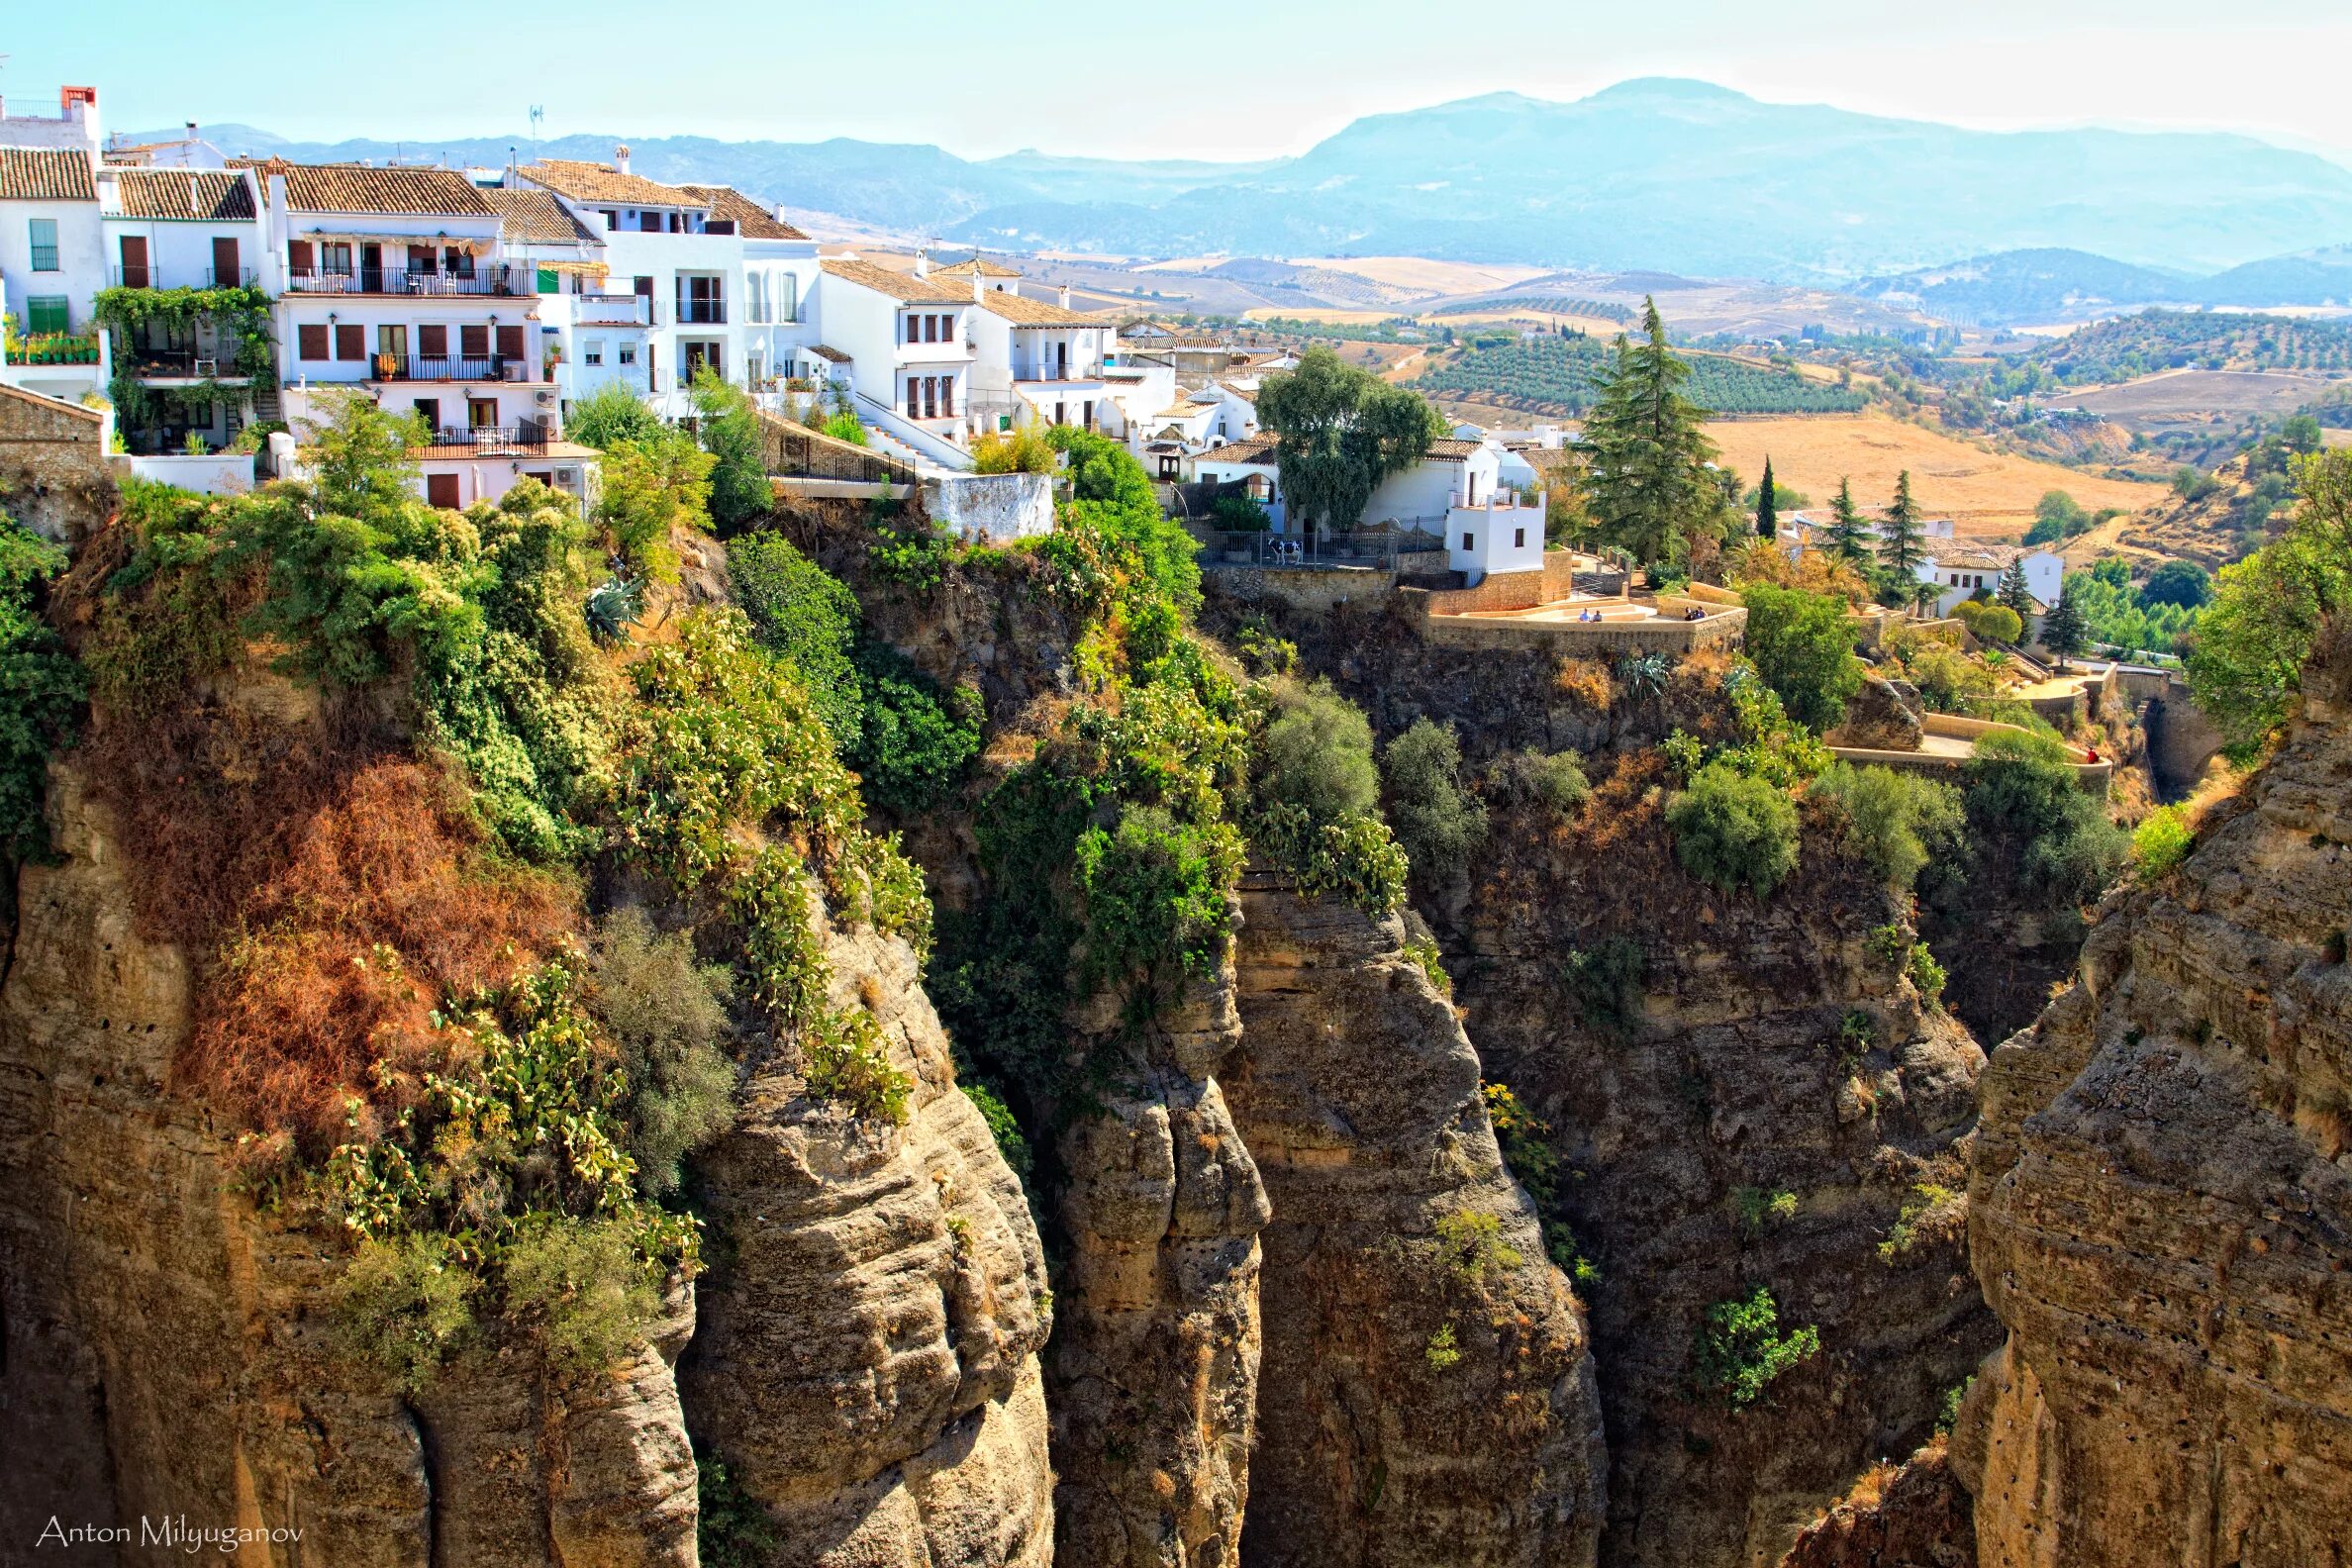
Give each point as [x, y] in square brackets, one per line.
[2162, 1209]
[868, 1363]
[1359, 1096]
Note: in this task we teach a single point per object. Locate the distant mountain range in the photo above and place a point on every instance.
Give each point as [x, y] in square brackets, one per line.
[1649, 173]
[2050, 285]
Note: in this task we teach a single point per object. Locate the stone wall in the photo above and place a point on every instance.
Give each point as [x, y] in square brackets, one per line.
[991, 507]
[1611, 640]
[1316, 590]
[54, 474]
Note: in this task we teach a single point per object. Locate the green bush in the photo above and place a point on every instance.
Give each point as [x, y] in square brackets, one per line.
[729, 432]
[610, 415]
[2034, 828]
[2160, 843]
[1732, 832]
[1003, 1126]
[1439, 824]
[1757, 1207]
[1525, 1139]
[1552, 780]
[582, 1287]
[1315, 753]
[1603, 983]
[1803, 646]
[404, 1304]
[1157, 888]
[1988, 623]
[1897, 822]
[667, 1014]
[806, 617]
[40, 691]
[1240, 514]
[1443, 1352]
[730, 1528]
[913, 747]
[1470, 1242]
[1741, 1350]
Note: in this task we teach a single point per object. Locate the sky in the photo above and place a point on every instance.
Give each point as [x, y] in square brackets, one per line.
[982, 77]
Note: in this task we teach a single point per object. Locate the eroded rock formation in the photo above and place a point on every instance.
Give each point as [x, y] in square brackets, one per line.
[2162, 1209]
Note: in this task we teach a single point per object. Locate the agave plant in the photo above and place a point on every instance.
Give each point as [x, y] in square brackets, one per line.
[614, 606]
[1644, 675]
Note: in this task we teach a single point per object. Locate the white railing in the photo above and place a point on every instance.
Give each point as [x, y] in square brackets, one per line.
[931, 447]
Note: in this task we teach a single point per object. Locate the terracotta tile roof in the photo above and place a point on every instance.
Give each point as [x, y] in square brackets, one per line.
[46, 174]
[601, 182]
[827, 351]
[367, 188]
[1979, 557]
[967, 267]
[1248, 449]
[1452, 451]
[1033, 312]
[751, 220]
[903, 286]
[214, 195]
[539, 218]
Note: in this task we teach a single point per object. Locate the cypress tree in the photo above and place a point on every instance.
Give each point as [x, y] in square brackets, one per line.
[1902, 543]
[2066, 630]
[1767, 510]
[1848, 534]
[1649, 487]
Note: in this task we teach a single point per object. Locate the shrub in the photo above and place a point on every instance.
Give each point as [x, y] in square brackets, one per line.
[2160, 843]
[1426, 958]
[1317, 752]
[404, 1304]
[2034, 828]
[1240, 514]
[1553, 780]
[1470, 1241]
[806, 617]
[1897, 822]
[610, 415]
[740, 489]
[1988, 623]
[1803, 648]
[1444, 1351]
[581, 1287]
[1156, 888]
[40, 691]
[1758, 1207]
[1603, 983]
[848, 1060]
[1741, 1350]
[1926, 1198]
[1439, 824]
[649, 486]
[1523, 1138]
[1732, 832]
[667, 1014]
[730, 1528]
[1948, 1413]
[1024, 451]
[913, 748]
[1003, 1126]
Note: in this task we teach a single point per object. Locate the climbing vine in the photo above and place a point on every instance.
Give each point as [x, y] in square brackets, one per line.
[239, 315]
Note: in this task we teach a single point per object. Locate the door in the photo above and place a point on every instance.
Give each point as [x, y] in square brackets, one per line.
[428, 409]
[392, 359]
[441, 490]
[481, 412]
[226, 272]
[510, 351]
[136, 273]
[432, 350]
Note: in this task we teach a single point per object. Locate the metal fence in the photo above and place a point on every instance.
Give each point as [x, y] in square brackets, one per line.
[796, 452]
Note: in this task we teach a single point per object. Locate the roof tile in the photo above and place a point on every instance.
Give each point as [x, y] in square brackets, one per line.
[212, 195]
[751, 220]
[46, 174]
[582, 180]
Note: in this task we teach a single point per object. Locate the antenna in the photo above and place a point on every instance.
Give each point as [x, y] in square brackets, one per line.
[539, 117]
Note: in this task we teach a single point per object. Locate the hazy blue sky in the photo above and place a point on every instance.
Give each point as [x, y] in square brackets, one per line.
[986, 76]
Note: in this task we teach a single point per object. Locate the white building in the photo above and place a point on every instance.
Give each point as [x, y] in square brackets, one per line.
[908, 344]
[1034, 360]
[179, 227]
[53, 247]
[1962, 571]
[73, 127]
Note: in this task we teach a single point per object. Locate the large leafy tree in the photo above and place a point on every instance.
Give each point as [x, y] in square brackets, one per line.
[1650, 490]
[1902, 544]
[2268, 611]
[1804, 648]
[1338, 432]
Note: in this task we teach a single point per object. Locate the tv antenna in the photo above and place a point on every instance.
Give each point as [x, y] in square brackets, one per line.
[538, 119]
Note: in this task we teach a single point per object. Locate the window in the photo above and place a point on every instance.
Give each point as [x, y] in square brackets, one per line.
[226, 273]
[44, 244]
[1466, 542]
[310, 342]
[48, 312]
[628, 354]
[391, 350]
[755, 296]
[350, 342]
[481, 412]
[592, 350]
[473, 342]
[432, 341]
[787, 296]
[1518, 539]
[334, 258]
[441, 490]
[511, 341]
[428, 409]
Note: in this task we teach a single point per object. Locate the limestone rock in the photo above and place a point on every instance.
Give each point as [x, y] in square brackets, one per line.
[1917, 1518]
[1884, 715]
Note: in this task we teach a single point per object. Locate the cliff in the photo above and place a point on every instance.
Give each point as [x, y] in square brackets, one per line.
[2162, 1205]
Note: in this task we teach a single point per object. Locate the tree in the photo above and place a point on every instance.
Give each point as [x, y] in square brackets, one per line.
[2177, 582]
[1803, 648]
[2012, 593]
[649, 487]
[358, 456]
[1767, 512]
[2245, 668]
[2057, 515]
[1849, 535]
[1339, 431]
[1650, 491]
[1902, 544]
[1438, 822]
[2066, 630]
[740, 488]
[610, 415]
[1731, 830]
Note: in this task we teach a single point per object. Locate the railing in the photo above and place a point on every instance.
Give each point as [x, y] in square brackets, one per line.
[492, 437]
[152, 276]
[610, 309]
[799, 453]
[1056, 372]
[44, 258]
[516, 282]
[447, 367]
[188, 363]
[702, 313]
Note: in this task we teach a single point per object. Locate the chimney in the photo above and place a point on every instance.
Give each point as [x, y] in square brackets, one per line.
[1065, 296]
[922, 264]
[191, 130]
[978, 288]
[621, 159]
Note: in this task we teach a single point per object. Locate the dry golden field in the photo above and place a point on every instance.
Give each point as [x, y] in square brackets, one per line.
[1988, 495]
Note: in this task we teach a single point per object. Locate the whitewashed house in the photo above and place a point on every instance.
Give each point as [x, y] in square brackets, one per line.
[183, 227]
[1034, 360]
[53, 249]
[1955, 573]
[909, 345]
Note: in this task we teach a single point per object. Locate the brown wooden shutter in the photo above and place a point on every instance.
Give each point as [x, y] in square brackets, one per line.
[473, 342]
[509, 341]
[350, 342]
[300, 256]
[135, 261]
[432, 341]
[310, 340]
[441, 490]
[421, 258]
[226, 272]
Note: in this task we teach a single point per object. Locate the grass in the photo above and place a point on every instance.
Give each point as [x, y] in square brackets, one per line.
[1988, 495]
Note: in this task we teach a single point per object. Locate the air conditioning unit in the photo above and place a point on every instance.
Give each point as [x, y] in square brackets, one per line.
[544, 399]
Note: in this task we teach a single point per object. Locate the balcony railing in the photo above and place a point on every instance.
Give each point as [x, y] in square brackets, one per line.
[610, 309]
[157, 277]
[191, 364]
[516, 282]
[1048, 371]
[524, 434]
[52, 349]
[702, 313]
[447, 367]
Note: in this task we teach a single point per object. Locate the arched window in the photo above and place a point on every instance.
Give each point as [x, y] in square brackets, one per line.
[788, 296]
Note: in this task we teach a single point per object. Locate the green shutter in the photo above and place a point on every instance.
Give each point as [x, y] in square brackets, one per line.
[546, 281]
[48, 312]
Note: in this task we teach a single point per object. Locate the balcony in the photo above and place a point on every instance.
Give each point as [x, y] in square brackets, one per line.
[182, 364]
[51, 349]
[702, 313]
[497, 281]
[609, 310]
[1048, 371]
[161, 277]
[485, 441]
[447, 367]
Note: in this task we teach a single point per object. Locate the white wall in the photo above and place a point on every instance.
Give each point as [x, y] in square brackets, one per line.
[179, 255]
[1495, 539]
[1429, 489]
[81, 257]
[220, 473]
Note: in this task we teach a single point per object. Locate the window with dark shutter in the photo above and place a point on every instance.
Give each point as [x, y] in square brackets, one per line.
[432, 342]
[441, 490]
[136, 273]
[350, 342]
[226, 273]
[475, 341]
[300, 256]
[509, 341]
[310, 340]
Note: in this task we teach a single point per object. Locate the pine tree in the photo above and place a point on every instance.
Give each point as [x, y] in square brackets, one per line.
[1848, 534]
[1767, 510]
[1650, 488]
[2066, 630]
[2012, 592]
[1902, 543]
